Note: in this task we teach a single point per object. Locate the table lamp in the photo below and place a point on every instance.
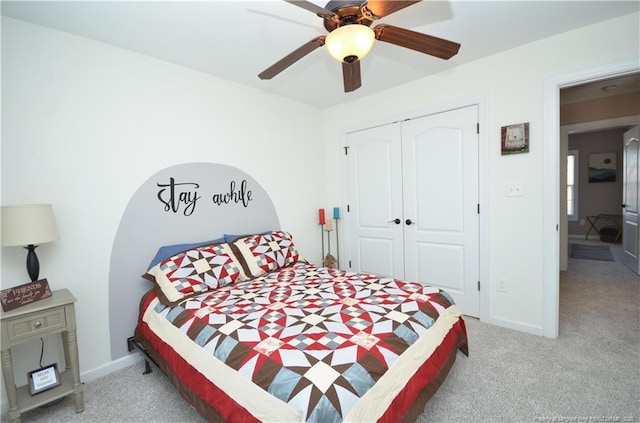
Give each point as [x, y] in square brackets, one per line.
[29, 225]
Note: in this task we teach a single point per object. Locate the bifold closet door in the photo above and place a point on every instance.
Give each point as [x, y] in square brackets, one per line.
[413, 202]
[375, 201]
[441, 196]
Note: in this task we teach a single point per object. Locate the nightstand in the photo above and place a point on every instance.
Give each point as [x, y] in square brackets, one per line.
[42, 318]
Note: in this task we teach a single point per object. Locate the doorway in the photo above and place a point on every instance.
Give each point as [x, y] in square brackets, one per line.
[586, 117]
[553, 156]
[595, 204]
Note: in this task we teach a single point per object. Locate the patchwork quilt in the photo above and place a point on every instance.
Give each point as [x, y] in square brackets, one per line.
[310, 344]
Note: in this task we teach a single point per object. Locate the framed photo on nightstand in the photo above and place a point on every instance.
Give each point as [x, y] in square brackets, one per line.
[43, 379]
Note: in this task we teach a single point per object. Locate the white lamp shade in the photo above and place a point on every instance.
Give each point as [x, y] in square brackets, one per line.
[350, 40]
[28, 224]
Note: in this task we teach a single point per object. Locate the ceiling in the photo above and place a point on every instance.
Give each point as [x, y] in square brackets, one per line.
[236, 40]
[625, 84]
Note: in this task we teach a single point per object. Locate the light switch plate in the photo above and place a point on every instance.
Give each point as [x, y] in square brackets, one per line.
[514, 190]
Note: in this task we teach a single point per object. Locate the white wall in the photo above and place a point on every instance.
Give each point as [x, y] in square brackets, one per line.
[84, 124]
[510, 85]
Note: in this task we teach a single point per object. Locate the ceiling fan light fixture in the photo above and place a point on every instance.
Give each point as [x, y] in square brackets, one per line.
[348, 41]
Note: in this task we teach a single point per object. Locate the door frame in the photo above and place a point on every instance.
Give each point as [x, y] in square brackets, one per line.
[551, 182]
[481, 102]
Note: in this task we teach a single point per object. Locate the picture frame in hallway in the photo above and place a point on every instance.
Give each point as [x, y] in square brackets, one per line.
[514, 139]
[602, 167]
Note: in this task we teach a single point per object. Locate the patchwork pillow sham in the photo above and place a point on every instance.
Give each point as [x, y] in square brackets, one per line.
[232, 237]
[266, 252]
[194, 271]
[167, 251]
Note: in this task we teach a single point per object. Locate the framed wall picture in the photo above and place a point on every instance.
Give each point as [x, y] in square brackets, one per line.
[43, 379]
[515, 138]
[602, 167]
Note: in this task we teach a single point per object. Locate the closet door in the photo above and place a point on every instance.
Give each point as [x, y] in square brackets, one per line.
[441, 221]
[375, 201]
[413, 203]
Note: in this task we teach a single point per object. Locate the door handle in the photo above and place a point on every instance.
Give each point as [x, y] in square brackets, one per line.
[396, 221]
[409, 222]
[623, 205]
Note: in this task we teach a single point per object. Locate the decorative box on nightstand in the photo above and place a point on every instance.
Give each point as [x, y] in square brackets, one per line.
[46, 317]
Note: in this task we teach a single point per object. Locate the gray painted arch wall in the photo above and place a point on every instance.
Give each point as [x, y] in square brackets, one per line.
[186, 203]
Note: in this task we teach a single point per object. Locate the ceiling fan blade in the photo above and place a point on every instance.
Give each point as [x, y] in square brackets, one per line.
[351, 76]
[292, 57]
[417, 41]
[379, 9]
[320, 11]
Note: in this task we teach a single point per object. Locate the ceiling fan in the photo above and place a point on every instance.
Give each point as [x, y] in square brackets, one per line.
[350, 37]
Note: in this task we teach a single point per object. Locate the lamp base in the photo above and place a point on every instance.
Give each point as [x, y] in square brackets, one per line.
[33, 265]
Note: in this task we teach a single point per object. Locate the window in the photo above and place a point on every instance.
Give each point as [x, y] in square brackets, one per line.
[572, 184]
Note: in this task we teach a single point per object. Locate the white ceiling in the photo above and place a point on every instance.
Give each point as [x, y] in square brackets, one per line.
[236, 40]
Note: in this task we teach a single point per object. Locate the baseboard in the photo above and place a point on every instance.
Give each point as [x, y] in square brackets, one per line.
[519, 326]
[89, 375]
[111, 367]
[595, 237]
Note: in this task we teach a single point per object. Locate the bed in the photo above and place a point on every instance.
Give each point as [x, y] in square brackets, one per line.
[247, 330]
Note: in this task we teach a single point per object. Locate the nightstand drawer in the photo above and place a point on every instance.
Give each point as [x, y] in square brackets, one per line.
[36, 324]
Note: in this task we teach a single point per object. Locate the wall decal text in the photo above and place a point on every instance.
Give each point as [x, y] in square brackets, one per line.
[174, 196]
[182, 197]
[242, 195]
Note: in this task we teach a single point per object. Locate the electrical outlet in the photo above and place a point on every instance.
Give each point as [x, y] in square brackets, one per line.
[502, 285]
[582, 222]
[514, 190]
